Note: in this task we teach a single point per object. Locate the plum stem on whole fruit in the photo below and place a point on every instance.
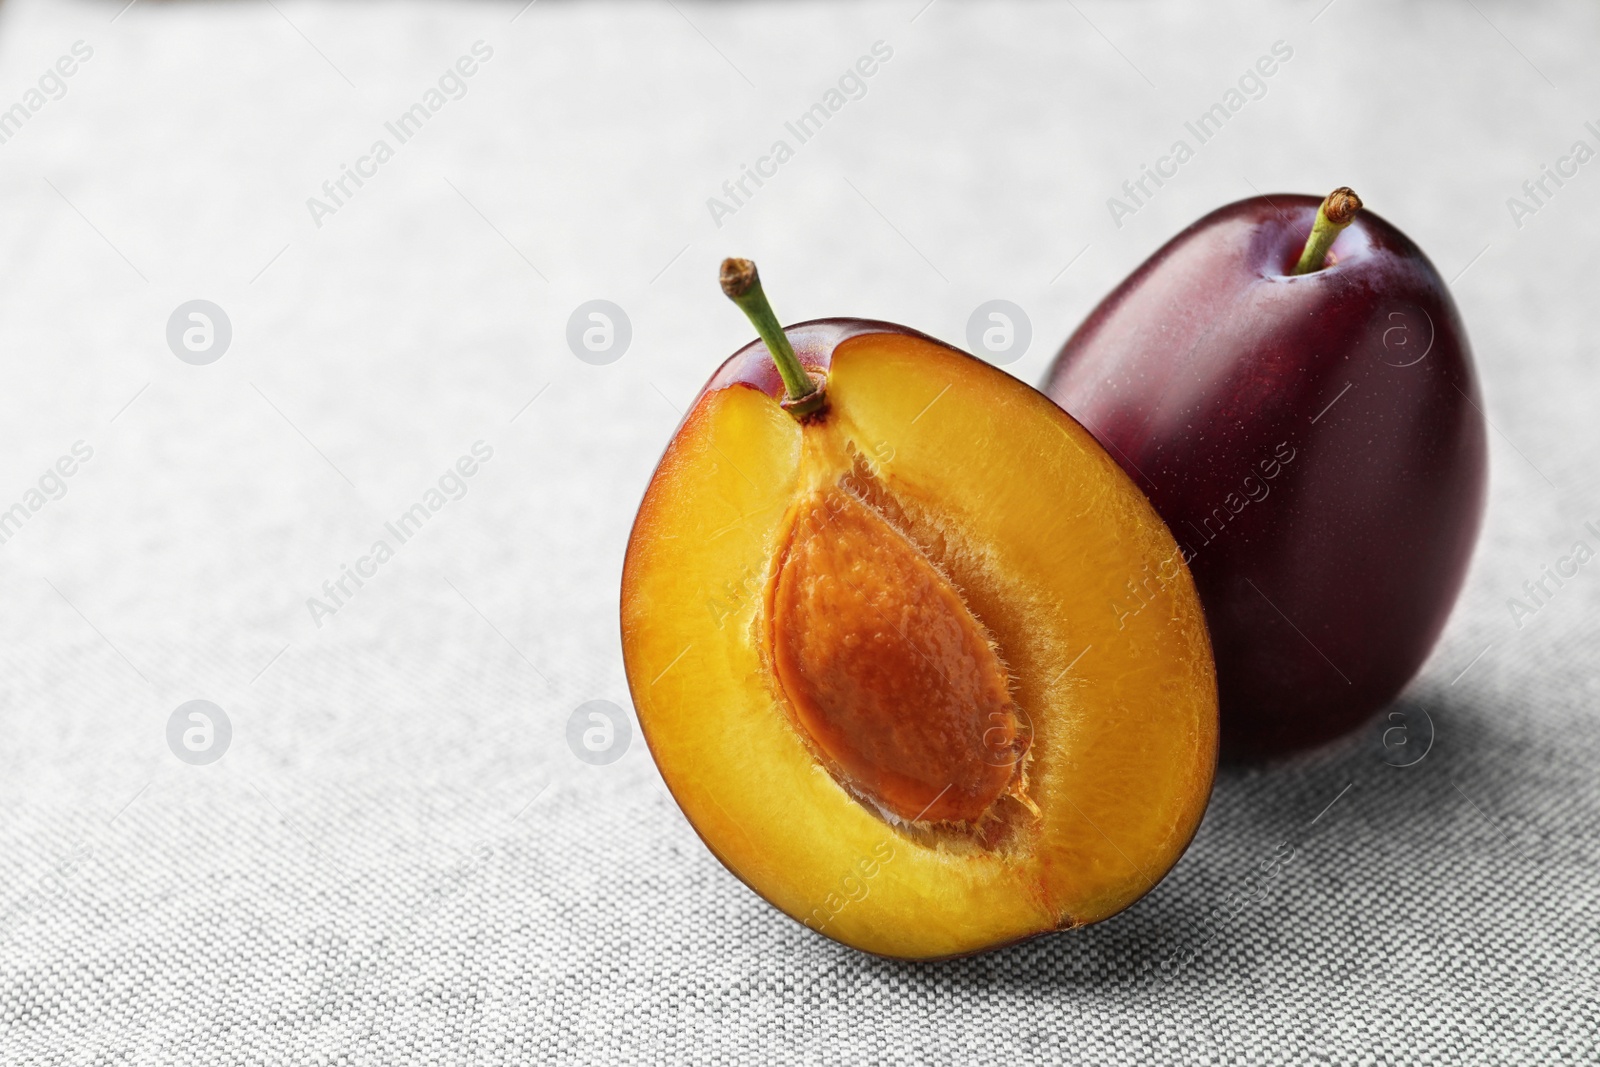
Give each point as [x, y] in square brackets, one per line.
[743, 286]
[1338, 210]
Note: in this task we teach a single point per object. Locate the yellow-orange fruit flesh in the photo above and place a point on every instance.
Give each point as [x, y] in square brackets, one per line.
[1052, 550]
[888, 671]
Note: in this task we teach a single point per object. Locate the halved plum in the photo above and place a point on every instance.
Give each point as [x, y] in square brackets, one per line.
[878, 642]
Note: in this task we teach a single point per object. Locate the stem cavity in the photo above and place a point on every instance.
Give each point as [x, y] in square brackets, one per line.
[1338, 210]
[741, 283]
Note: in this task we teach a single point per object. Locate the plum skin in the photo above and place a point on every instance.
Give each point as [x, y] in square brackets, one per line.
[1325, 585]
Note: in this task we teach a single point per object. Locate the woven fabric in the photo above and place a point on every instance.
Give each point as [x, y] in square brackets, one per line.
[408, 852]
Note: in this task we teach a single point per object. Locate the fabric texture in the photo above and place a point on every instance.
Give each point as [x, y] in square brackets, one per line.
[412, 848]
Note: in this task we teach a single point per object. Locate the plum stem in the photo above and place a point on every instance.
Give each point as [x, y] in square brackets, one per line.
[741, 283]
[1337, 211]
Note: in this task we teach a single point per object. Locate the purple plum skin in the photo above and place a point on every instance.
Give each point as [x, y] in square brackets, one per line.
[1316, 444]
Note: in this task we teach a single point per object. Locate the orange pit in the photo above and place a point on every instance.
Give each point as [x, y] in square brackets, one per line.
[887, 670]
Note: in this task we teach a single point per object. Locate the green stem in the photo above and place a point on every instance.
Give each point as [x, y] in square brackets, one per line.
[803, 394]
[1338, 210]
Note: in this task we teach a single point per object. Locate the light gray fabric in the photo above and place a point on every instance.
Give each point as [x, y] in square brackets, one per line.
[400, 859]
